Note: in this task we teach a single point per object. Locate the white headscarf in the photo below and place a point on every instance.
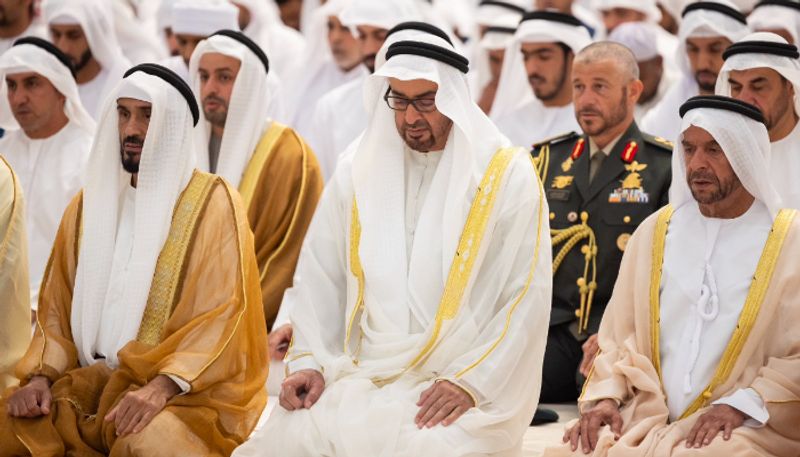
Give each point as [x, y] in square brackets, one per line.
[745, 143]
[705, 23]
[490, 12]
[378, 180]
[203, 17]
[165, 168]
[639, 37]
[514, 89]
[137, 46]
[30, 58]
[788, 67]
[775, 17]
[97, 22]
[646, 7]
[317, 60]
[247, 110]
[383, 14]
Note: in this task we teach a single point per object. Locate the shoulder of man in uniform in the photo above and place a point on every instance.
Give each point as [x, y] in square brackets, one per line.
[564, 137]
[661, 144]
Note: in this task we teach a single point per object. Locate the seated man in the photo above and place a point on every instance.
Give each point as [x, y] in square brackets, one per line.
[419, 323]
[275, 171]
[15, 308]
[699, 354]
[164, 301]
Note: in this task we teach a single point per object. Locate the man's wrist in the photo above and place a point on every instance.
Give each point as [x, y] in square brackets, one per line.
[165, 386]
[39, 379]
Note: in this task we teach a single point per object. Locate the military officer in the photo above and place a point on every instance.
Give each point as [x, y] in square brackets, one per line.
[600, 186]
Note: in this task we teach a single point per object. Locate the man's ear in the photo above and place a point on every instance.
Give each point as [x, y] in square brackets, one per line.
[635, 89]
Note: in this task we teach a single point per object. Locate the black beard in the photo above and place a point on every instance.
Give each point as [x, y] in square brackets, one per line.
[130, 164]
[84, 60]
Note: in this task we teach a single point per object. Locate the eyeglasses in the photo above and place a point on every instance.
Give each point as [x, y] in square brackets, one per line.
[422, 105]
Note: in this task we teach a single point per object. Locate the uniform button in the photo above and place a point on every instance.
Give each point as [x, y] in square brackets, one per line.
[578, 313]
[552, 216]
[572, 216]
[626, 219]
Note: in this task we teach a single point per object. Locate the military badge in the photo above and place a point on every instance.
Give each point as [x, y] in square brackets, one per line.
[631, 190]
[562, 182]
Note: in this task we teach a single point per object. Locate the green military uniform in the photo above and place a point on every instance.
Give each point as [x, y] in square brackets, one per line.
[591, 223]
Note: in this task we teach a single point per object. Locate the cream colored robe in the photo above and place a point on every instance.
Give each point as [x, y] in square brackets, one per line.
[765, 356]
[15, 307]
[203, 324]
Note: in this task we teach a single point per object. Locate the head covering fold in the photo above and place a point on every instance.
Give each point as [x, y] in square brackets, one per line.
[743, 139]
[248, 108]
[378, 180]
[165, 168]
[514, 89]
[29, 57]
[786, 66]
[771, 15]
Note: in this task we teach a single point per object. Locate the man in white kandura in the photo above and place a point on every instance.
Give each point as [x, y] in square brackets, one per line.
[421, 298]
[763, 70]
[84, 31]
[47, 143]
[699, 350]
[534, 96]
[708, 28]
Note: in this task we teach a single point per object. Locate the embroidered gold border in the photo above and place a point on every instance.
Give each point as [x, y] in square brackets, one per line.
[524, 291]
[356, 270]
[247, 186]
[747, 318]
[659, 242]
[168, 276]
[466, 253]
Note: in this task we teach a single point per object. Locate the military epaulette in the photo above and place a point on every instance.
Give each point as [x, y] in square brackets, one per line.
[556, 139]
[660, 143]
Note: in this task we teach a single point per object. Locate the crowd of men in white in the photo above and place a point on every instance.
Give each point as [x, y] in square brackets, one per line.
[415, 317]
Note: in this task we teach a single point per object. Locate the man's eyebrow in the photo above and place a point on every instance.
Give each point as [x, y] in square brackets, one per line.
[422, 95]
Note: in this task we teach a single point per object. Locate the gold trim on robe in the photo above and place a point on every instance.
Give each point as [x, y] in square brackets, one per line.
[749, 313]
[463, 262]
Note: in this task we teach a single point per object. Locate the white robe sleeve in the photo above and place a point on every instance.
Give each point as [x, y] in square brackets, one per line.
[750, 403]
[319, 293]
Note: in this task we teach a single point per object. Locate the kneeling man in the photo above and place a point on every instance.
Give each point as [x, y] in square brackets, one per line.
[421, 300]
[150, 337]
[699, 354]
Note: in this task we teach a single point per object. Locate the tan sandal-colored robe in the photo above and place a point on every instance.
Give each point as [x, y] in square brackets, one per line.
[764, 354]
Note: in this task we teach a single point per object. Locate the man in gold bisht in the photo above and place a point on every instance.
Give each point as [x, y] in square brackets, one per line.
[700, 355]
[14, 290]
[150, 336]
[273, 168]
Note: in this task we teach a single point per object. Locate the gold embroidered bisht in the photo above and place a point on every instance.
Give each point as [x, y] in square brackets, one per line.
[15, 311]
[280, 189]
[203, 323]
[764, 354]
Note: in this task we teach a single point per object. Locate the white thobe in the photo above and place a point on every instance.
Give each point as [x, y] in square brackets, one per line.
[664, 119]
[533, 122]
[328, 78]
[93, 93]
[784, 167]
[339, 118]
[36, 29]
[641, 109]
[351, 402]
[709, 265]
[114, 313]
[51, 172]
